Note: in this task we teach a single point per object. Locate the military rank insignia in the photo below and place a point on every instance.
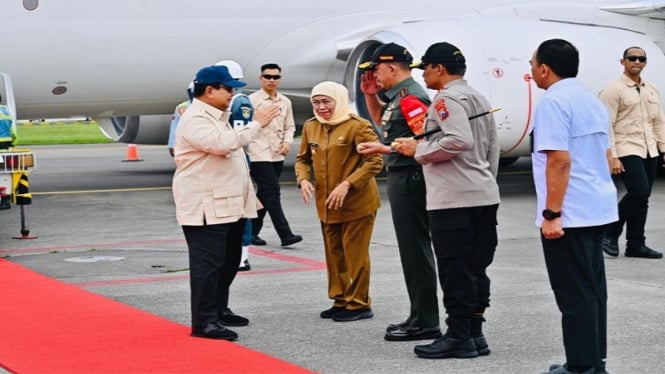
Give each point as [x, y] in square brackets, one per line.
[441, 109]
[404, 92]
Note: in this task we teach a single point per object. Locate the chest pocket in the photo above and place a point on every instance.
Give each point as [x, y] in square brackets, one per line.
[653, 105]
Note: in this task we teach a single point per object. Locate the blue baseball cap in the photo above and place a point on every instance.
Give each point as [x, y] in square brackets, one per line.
[217, 75]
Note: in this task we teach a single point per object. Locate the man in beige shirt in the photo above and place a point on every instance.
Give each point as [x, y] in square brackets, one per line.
[267, 151]
[214, 196]
[637, 135]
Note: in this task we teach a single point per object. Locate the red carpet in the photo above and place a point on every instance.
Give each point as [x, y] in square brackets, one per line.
[47, 326]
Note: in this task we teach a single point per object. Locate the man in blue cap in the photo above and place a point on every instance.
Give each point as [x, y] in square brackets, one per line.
[213, 194]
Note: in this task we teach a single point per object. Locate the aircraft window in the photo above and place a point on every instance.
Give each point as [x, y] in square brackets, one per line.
[30, 4]
[59, 90]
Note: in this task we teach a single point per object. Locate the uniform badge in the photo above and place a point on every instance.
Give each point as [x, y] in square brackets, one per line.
[441, 109]
[386, 115]
[246, 113]
[313, 147]
[404, 92]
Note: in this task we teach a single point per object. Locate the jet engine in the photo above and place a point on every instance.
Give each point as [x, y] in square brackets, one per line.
[145, 129]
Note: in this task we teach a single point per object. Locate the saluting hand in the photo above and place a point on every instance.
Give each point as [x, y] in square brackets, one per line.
[368, 83]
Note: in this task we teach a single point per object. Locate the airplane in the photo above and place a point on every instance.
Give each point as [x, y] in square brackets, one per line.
[127, 63]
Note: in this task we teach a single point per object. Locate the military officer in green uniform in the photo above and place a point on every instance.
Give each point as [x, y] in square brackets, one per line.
[398, 105]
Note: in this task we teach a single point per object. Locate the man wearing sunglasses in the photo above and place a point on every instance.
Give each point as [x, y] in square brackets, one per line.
[267, 151]
[637, 135]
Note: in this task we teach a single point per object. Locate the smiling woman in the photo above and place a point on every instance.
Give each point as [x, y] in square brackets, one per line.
[79, 132]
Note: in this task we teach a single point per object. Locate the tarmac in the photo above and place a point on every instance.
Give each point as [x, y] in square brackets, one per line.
[109, 227]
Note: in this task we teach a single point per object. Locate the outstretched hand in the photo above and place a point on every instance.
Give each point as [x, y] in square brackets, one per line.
[265, 114]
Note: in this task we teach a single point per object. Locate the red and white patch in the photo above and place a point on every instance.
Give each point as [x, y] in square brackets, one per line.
[441, 109]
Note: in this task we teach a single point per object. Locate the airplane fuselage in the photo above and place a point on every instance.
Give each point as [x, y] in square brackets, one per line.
[127, 63]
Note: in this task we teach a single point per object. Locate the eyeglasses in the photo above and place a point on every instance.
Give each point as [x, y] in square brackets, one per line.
[636, 58]
[271, 77]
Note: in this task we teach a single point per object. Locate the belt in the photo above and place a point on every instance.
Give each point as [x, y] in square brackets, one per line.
[395, 169]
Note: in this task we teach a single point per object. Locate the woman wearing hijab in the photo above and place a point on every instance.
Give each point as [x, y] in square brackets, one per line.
[345, 193]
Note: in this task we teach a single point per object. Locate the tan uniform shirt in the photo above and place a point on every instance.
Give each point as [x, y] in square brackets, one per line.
[212, 180]
[637, 123]
[330, 151]
[266, 145]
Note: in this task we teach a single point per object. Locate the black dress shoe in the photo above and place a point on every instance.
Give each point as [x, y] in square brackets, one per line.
[563, 369]
[245, 266]
[291, 239]
[353, 315]
[332, 312]
[481, 345]
[258, 241]
[642, 251]
[412, 333]
[611, 246]
[395, 326]
[228, 318]
[447, 347]
[215, 331]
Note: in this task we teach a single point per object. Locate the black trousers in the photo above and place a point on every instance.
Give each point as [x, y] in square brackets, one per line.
[638, 178]
[465, 241]
[266, 175]
[214, 257]
[406, 193]
[576, 270]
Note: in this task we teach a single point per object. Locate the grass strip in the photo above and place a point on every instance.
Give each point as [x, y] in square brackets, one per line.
[45, 133]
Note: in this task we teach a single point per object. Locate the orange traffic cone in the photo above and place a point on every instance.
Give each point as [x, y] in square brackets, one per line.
[132, 153]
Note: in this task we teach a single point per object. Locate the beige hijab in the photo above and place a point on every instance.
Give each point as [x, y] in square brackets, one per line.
[338, 93]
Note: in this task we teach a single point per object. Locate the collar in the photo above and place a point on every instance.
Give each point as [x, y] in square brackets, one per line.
[266, 96]
[566, 82]
[214, 112]
[456, 82]
[391, 93]
[629, 82]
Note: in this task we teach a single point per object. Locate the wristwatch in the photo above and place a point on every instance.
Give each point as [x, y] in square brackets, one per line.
[549, 214]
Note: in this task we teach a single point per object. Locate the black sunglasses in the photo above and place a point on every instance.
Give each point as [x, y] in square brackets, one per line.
[225, 88]
[636, 58]
[271, 77]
